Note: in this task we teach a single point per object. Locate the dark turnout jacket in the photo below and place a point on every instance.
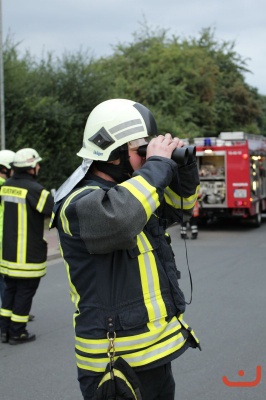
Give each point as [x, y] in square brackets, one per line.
[121, 267]
[25, 205]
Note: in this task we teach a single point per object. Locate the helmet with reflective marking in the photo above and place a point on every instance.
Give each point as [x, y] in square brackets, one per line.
[114, 123]
[26, 158]
[6, 158]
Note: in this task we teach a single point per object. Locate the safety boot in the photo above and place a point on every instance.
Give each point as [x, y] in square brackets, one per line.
[4, 337]
[183, 231]
[24, 337]
[194, 231]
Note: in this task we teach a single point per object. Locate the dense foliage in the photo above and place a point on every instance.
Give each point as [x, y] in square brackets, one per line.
[194, 87]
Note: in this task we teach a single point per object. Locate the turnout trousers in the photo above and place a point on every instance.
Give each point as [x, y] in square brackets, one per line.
[156, 384]
[2, 287]
[16, 304]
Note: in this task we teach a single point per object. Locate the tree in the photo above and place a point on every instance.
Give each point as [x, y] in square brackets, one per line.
[47, 104]
[194, 87]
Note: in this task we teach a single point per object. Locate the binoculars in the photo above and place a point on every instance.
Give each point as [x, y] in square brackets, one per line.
[181, 155]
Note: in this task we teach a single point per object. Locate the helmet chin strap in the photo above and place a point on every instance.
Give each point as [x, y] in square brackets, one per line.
[120, 172]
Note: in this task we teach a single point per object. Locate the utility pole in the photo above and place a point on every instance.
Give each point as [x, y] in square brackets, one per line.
[2, 97]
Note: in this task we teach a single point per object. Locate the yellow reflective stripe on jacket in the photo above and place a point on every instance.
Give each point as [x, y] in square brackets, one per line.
[23, 274]
[75, 297]
[129, 343]
[150, 282]
[23, 270]
[174, 200]
[64, 220]
[26, 274]
[23, 266]
[20, 318]
[22, 233]
[156, 352]
[42, 200]
[144, 193]
[10, 191]
[138, 358]
[18, 195]
[188, 328]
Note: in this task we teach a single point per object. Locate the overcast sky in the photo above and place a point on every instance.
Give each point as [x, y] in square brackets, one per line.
[97, 25]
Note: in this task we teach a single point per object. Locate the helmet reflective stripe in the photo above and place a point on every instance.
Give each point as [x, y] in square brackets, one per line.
[127, 132]
[114, 123]
[125, 125]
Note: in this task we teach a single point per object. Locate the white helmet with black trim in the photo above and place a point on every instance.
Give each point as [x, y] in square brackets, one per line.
[109, 126]
[112, 124]
[6, 158]
[26, 158]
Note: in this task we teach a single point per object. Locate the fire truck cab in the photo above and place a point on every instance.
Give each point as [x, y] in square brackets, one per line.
[232, 169]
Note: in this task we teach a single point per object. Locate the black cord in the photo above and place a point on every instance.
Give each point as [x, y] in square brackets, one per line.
[190, 276]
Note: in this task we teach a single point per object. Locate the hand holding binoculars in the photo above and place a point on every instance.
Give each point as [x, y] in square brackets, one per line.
[181, 155]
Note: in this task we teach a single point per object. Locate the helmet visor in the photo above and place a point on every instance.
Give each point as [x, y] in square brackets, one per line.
[135, 144]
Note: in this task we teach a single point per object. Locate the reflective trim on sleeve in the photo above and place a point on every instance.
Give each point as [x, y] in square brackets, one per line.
[174, 199]
[42, 200]
[64, 220]
[144, 193]
[51, 220]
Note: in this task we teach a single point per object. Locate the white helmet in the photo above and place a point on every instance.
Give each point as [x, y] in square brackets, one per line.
[6, 158]
[112, 124]
[26, 158]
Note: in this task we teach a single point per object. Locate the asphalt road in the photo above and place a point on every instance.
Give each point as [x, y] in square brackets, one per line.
[228, 266]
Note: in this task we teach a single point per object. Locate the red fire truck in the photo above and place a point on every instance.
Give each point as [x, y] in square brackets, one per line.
[232, 170]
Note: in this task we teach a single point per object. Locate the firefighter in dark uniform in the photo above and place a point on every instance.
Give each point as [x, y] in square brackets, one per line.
[111, 215]
[193, 224]
[6, 158]
[24, 250]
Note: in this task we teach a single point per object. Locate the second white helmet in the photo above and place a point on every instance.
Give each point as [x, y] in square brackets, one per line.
[114, 123]
[26, 158]
[7, 158]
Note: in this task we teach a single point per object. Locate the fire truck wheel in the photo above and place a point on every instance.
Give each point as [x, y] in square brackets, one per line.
[256, 220]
